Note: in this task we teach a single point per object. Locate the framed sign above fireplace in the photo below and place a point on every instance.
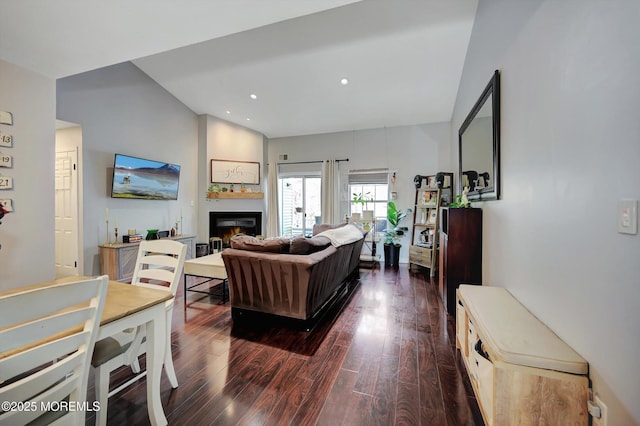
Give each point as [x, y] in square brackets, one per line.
[225, 171]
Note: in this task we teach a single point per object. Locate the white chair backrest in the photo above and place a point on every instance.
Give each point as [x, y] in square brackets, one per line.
[159, 260]
[47, 336]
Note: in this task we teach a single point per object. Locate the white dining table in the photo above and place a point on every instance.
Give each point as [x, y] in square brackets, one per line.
[128, 306]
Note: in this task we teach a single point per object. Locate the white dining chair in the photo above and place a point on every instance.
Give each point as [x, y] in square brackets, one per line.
[159, 266]
[47, 335]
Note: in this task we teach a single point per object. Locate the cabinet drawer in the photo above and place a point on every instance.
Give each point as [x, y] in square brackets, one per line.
[420, 255]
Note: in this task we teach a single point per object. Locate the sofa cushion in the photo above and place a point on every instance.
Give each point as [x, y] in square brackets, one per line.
[273, 245]
[302, 245]
[321, 227]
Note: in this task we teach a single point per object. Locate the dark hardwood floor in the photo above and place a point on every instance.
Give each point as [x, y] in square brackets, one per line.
[387, 357]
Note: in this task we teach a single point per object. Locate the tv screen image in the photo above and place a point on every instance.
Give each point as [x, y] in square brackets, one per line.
[144, 179]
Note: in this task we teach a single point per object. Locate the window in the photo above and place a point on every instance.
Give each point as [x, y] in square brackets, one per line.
[374, 187]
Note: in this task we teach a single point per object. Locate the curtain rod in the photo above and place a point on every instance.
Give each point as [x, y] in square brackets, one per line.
[310, 162]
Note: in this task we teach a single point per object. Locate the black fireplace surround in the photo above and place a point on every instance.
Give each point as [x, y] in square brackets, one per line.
[225, 225]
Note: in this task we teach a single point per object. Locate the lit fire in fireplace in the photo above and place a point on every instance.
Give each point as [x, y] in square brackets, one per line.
[226, 237]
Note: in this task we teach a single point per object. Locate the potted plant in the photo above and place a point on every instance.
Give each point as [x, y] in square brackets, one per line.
[461, 201]
[393, 233]
[363, 199]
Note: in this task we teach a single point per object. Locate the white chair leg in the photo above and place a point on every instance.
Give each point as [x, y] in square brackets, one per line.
[168, 356]
[134, 350]
[135, 365]
[102, 395]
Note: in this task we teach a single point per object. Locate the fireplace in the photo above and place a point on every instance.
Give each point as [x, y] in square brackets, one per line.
[225, 225]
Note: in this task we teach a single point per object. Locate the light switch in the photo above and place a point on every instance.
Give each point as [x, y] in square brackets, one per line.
[628, 216]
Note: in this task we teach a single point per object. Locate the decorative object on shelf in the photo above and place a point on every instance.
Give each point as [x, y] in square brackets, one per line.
[152, 234]
[461, 200]
[225, 194]
[393, 234]
[6, 117]
[433, 216]
[6, 182]
[132, 238]
[417, 181]
[225, 171]
[6, 160]
[431, 182]
[106, 219]
[6, 140]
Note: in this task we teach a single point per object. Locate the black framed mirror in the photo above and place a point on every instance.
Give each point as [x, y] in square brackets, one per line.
[479, 145]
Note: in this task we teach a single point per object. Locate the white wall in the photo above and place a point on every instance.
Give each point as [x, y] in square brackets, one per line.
[570, 148]
[407, 150]
[223, 140]
[27, 234]
[122, 110]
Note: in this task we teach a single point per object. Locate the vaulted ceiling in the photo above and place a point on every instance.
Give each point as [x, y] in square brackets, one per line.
[403, 58]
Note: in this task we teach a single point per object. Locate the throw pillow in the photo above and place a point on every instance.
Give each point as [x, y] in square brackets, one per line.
[249, 243]
[302, 245]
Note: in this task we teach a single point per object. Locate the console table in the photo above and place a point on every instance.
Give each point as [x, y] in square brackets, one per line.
[118, 260]
[521, 372]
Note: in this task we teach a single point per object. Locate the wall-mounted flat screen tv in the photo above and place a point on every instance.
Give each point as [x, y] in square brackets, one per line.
[144, 179]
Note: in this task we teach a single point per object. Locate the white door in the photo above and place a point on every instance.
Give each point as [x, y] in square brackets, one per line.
[66, 214]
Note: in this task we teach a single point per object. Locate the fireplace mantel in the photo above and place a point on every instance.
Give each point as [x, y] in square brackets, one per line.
[218, 195]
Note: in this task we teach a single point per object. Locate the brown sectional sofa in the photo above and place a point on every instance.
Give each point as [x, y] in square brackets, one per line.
[265, 277]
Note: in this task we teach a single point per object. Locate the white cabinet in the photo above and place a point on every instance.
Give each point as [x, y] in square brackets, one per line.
[521, 372]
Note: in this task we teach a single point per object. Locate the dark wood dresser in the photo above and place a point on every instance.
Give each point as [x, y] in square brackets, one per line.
[460, 252]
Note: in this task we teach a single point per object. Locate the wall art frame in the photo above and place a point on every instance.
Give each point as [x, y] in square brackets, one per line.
[236, 172]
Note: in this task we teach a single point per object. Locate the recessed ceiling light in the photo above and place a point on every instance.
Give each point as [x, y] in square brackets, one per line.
[248, 119]
[253, 96]
[228, 112]
[344, 81]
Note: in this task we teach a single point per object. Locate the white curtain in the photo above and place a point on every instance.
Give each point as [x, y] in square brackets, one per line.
[273, 220]
[330, 204]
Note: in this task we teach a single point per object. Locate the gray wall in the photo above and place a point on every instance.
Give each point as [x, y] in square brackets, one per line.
[122, 110]
[27, 235]
[570, 130]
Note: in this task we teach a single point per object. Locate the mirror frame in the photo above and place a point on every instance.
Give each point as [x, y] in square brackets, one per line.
[492, 192]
